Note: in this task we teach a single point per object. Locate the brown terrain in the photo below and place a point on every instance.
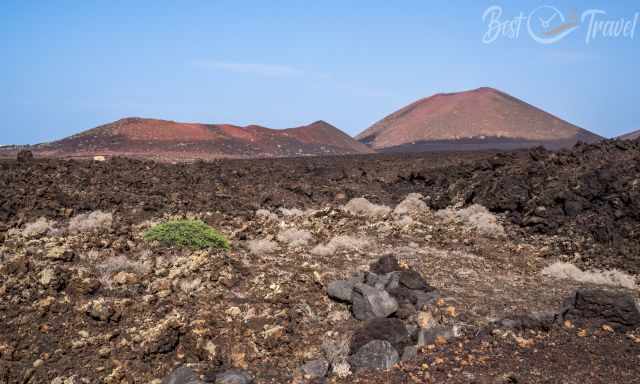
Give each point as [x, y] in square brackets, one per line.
[475, 267]
[171, 141]
[634, 135]
[480, 119]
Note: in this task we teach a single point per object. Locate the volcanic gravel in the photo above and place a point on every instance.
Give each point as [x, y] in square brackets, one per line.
[590, 194]
[104, 306]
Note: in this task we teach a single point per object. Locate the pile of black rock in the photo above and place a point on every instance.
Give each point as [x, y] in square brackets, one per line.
[394, 303]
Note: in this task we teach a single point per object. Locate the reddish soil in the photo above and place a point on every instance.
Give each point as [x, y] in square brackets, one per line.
[590, 193]
[490, 117]
[634, 135]
[171, 141]
[68, 316]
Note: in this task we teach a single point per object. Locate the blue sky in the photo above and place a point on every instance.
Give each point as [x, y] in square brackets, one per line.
[72, 65]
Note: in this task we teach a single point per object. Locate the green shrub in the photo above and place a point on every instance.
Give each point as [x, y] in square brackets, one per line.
[192, 234]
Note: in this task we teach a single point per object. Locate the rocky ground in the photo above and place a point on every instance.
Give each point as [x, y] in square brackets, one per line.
[462, 294]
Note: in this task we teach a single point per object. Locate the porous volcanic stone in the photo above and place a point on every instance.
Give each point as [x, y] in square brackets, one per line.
[182, 375]
[413, 280]
[234, 376]
[598, 306]
[340, 290]
[392, 330]
[377, 354]
[370, 303]
[315, 369]
[384, 265]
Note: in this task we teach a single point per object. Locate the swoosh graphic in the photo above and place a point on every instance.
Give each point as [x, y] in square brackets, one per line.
[561, 28]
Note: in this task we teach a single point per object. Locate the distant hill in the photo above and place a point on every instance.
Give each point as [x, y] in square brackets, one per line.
[170, 140]
[484, 118]
[630, 136]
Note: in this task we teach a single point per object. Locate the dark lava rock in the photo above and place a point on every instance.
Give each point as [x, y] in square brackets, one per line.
[84, 286]
[535, 321]
[234, 376]
[57, 279]
[410, 352]
[597, 306]
[415, 297]
[382, 281]
[393, 280]
[100, 311]
[413, 280]
[386, 264]
[508, 193]
[392, 330]
[429, 336]
[377, 354]
[24, 155]
[405, 311]
[182, 375]
[370, 303]
[315, 369]
[166, 343]
[340, 290]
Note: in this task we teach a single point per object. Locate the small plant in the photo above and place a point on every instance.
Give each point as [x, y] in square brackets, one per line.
[187, 233]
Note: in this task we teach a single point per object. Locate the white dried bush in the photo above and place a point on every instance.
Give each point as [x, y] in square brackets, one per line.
[121, 263]
[293, 212]
[411, 205]
[261, 246]
[475, 216]
[341, 369]
[92, 255]
[266, 214]
[188, 286]
[336, 348]
[613, 278]
[447, 214]
[40, 227]
[363, 207]
[340, 243]
[295, 237]
[404, 221]
[336, 351]
[89, 222]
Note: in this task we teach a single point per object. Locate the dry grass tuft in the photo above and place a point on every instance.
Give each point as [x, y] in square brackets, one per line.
[404, 221]
[258, 247]
[293, 212]
[116, 264]
[340, 243]
[189, 286]
[364, 208]
[89, 222]
[40, 227]
[411, 205]
[266, 214]
[336, 351]
[613, 278]
[295, 237]
[475, 216]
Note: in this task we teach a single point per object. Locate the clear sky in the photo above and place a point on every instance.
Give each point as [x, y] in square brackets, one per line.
[67, 66]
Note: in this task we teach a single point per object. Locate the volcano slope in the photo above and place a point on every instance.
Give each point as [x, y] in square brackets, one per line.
[84, 298]
[170, 141]
[479, 119]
